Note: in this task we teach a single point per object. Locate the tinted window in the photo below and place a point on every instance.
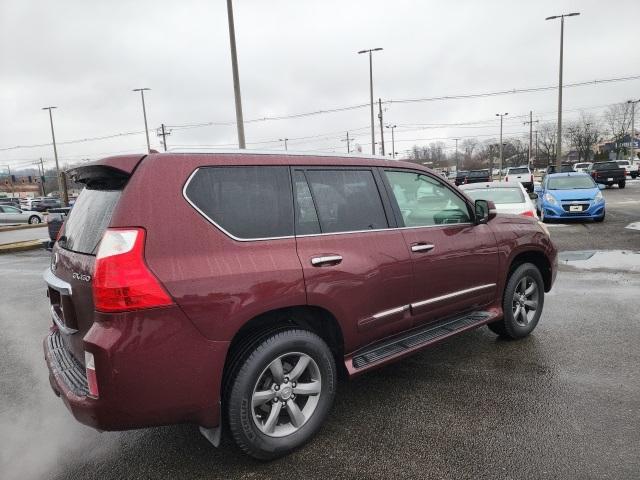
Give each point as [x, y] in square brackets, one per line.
[605, 166]
[518, 170]
[346, 200]
[479, 173]
[497, 195]
[425, 201]
[247, 202]
[306, 216]
[569, 183]
[8, 209]
[89, 219]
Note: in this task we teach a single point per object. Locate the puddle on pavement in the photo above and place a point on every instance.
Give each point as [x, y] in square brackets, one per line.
[618, 260]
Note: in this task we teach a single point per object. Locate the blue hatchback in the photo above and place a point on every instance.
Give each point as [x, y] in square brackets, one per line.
[570, 195]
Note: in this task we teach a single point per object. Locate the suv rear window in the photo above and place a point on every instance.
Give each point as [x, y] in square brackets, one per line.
[89, 219]
[605, 166]
[479, 173]
[518, 170]
[251, 202]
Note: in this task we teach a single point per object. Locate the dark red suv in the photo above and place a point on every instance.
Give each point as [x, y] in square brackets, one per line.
[229, 290]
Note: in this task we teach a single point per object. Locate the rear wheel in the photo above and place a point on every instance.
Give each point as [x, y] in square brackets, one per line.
[622, 184]
[280, 393]
[522, 303]
[34, 220]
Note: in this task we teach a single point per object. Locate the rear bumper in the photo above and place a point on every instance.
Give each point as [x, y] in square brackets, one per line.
[153, 368]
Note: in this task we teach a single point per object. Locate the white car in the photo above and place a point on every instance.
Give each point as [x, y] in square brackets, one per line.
[582, 167]
[12, 215]
[629, 168]
[509, 197]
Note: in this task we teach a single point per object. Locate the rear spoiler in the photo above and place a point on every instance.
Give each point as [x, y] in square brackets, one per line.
[110, 173]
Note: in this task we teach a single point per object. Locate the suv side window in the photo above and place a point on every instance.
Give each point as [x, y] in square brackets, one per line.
[251, 202]
[425, 201]
[307, 222]
[346, 200]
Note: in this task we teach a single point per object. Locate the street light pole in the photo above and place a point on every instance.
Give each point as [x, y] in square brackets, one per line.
[62, 179]
[633, 129]
[236, 76]
[501, 115]
[393, 140]
[285, 140]
[559, 141]
[373, 134]
[457, 163]
[144, 114]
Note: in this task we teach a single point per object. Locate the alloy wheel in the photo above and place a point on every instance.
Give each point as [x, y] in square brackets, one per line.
[525, 301]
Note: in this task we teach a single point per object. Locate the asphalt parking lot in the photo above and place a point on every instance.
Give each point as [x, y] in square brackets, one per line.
[563, 403]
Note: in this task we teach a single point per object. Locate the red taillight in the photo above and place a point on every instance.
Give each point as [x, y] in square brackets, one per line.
[531, 178]
[506, 179]
[528, 213]
[121, 280]
[92, 379]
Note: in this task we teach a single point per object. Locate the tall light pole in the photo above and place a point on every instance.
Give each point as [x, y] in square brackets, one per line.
[144, 114]
[62, 180]
[236, 76]
[373, 134]
[632, 157]
[285, 140]
[393, 140]
[501, 115]
[530, 123]
[559, 145]
[457, 166]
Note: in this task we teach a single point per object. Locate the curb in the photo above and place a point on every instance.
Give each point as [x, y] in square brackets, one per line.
[22, 246]
[22, 227]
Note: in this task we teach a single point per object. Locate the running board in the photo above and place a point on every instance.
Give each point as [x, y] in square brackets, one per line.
[418, 338]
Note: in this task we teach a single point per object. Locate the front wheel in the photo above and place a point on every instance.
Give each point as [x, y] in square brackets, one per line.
[600, 219]
[281, 393]
[522, 303]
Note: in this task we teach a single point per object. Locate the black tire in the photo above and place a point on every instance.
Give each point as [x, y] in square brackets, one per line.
[622, 184]
[509, 327]
[248, 371]
[34, 220]
[601, 219]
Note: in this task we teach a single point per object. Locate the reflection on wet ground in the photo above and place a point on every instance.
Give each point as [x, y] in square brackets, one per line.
[619, 260]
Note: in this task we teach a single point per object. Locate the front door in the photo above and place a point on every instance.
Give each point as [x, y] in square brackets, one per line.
[455, 262]
[355, 265]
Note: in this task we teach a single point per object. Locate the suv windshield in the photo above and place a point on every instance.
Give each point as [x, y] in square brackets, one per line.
[497, 195]
[569, 183]
[605, 166]
[519, 170]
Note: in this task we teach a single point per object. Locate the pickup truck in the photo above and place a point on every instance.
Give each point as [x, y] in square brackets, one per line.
[608, 173]
[477, 176]
[630, 169]
[461, 177]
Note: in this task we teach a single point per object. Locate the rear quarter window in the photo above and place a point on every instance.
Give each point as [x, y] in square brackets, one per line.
[249, 203]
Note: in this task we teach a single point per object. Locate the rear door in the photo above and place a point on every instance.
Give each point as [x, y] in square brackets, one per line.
[355, 264]
[455, 262]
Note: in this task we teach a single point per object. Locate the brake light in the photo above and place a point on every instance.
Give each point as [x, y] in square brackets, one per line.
[121, 280]
[528, 213]
[92, 379]
[531, 178]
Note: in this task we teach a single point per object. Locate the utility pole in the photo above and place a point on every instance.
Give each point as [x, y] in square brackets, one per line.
[393, 140]
[632, 157]
[62, 179]
[381, 123]
[162, 132]
[236, 76]
[456, 157]
[144, 114]
[347, 140]
[373, 133]
[559, 141]
[40, 165]
[530, 123]
[536, 132]
[501, 115]
[285, 140]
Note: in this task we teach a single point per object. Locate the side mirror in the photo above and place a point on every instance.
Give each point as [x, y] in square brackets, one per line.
[601, 186]
[485, 211]
[533, 195]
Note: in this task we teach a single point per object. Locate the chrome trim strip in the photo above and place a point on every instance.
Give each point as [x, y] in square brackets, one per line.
[451, 295]
[61, 326]
[56, 283]
[326, 259]
[422, 247]
[391, 311]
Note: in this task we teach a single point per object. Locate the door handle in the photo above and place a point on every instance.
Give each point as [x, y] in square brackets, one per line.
[422, 247]
[326, 260]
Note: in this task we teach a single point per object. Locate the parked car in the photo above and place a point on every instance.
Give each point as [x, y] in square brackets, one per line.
[476, 176]
[461, 177]
[522, 175]
[608, 173]
[44, 205]
[10, 214]
[569, 196]
[630, 169]
[242, 290]
[509, 197]
[582, 167]
[10, 201]
[55, 219]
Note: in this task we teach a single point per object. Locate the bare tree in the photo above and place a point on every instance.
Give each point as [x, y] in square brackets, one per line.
[583, 134]
[617, 118]
[547, 136]
[468, 146]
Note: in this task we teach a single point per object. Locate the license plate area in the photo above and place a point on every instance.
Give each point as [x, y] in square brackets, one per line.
[575, 208]
[610, 179]
[62, 308]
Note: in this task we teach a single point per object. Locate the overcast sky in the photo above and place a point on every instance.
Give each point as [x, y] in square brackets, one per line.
[297, 56]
